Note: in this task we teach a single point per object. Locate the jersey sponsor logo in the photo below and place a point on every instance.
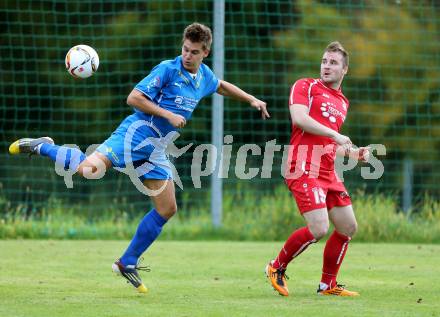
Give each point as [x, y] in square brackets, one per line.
[329, 111]
[178, 100]
[186, 103]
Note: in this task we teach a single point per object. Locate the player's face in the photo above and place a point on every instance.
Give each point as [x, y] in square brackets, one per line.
[193, 55]
[333, 69]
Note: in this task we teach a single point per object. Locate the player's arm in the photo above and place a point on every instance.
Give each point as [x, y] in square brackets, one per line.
[361, 154]
[139, 101]
[229, 90]
[300, 118]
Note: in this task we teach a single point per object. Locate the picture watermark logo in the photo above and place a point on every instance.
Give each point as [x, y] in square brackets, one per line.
[152, 158]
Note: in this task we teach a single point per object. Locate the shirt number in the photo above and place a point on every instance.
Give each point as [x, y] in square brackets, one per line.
[319, 195]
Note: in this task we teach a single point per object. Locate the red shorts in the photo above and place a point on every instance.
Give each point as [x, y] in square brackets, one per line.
[324, 191]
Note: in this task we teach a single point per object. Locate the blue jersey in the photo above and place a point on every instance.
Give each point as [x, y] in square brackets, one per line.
[141, 139]
[170, 86]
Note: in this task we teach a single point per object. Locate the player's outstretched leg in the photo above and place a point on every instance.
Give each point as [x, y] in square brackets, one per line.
[68, 157]
[28, 145]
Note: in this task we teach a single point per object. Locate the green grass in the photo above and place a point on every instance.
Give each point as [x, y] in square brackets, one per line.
[73, 278]
[246, 217]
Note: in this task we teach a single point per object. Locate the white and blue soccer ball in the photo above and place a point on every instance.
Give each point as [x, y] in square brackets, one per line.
[82, 61]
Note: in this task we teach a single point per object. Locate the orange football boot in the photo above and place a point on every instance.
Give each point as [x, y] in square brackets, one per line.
[277, 278]
[338, 290]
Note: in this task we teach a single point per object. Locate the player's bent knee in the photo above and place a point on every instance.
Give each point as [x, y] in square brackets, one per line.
[167, 211]
[320, 234]
[352, 229]
[87, 171]
[172, 209]
[319, 231]
[95, 170]
[81, 169]
[348, 230]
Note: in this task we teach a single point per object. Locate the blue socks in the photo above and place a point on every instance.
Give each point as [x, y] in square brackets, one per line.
[68, 157]
[147, 231]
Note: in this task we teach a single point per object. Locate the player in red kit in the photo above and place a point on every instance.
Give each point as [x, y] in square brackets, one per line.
[318, 109]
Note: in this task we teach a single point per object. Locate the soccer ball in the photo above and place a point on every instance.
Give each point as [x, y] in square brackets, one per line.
[82, 61]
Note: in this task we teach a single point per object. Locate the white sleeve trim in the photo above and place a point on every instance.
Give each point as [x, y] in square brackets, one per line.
[147, 95]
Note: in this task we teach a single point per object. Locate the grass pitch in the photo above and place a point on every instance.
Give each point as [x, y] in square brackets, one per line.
[73, 278]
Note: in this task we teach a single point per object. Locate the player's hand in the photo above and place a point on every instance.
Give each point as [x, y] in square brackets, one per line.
[342, 140]
[364, 153]
[177, 120]
[260, 106]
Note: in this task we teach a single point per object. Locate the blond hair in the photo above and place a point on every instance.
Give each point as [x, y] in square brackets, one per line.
[337, 47]
[198, 33]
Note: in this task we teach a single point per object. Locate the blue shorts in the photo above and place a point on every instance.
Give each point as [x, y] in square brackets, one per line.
[138, 147]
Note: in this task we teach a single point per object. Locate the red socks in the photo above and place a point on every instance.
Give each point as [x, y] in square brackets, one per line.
[298, 241]
[334, 253]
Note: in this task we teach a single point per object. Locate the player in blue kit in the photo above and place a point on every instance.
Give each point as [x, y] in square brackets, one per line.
[163, 102]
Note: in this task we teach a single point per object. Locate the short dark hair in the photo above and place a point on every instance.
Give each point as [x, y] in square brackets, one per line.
[337, 47]
[198, 33]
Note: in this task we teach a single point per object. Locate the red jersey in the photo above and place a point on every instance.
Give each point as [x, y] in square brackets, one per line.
[310, 152]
